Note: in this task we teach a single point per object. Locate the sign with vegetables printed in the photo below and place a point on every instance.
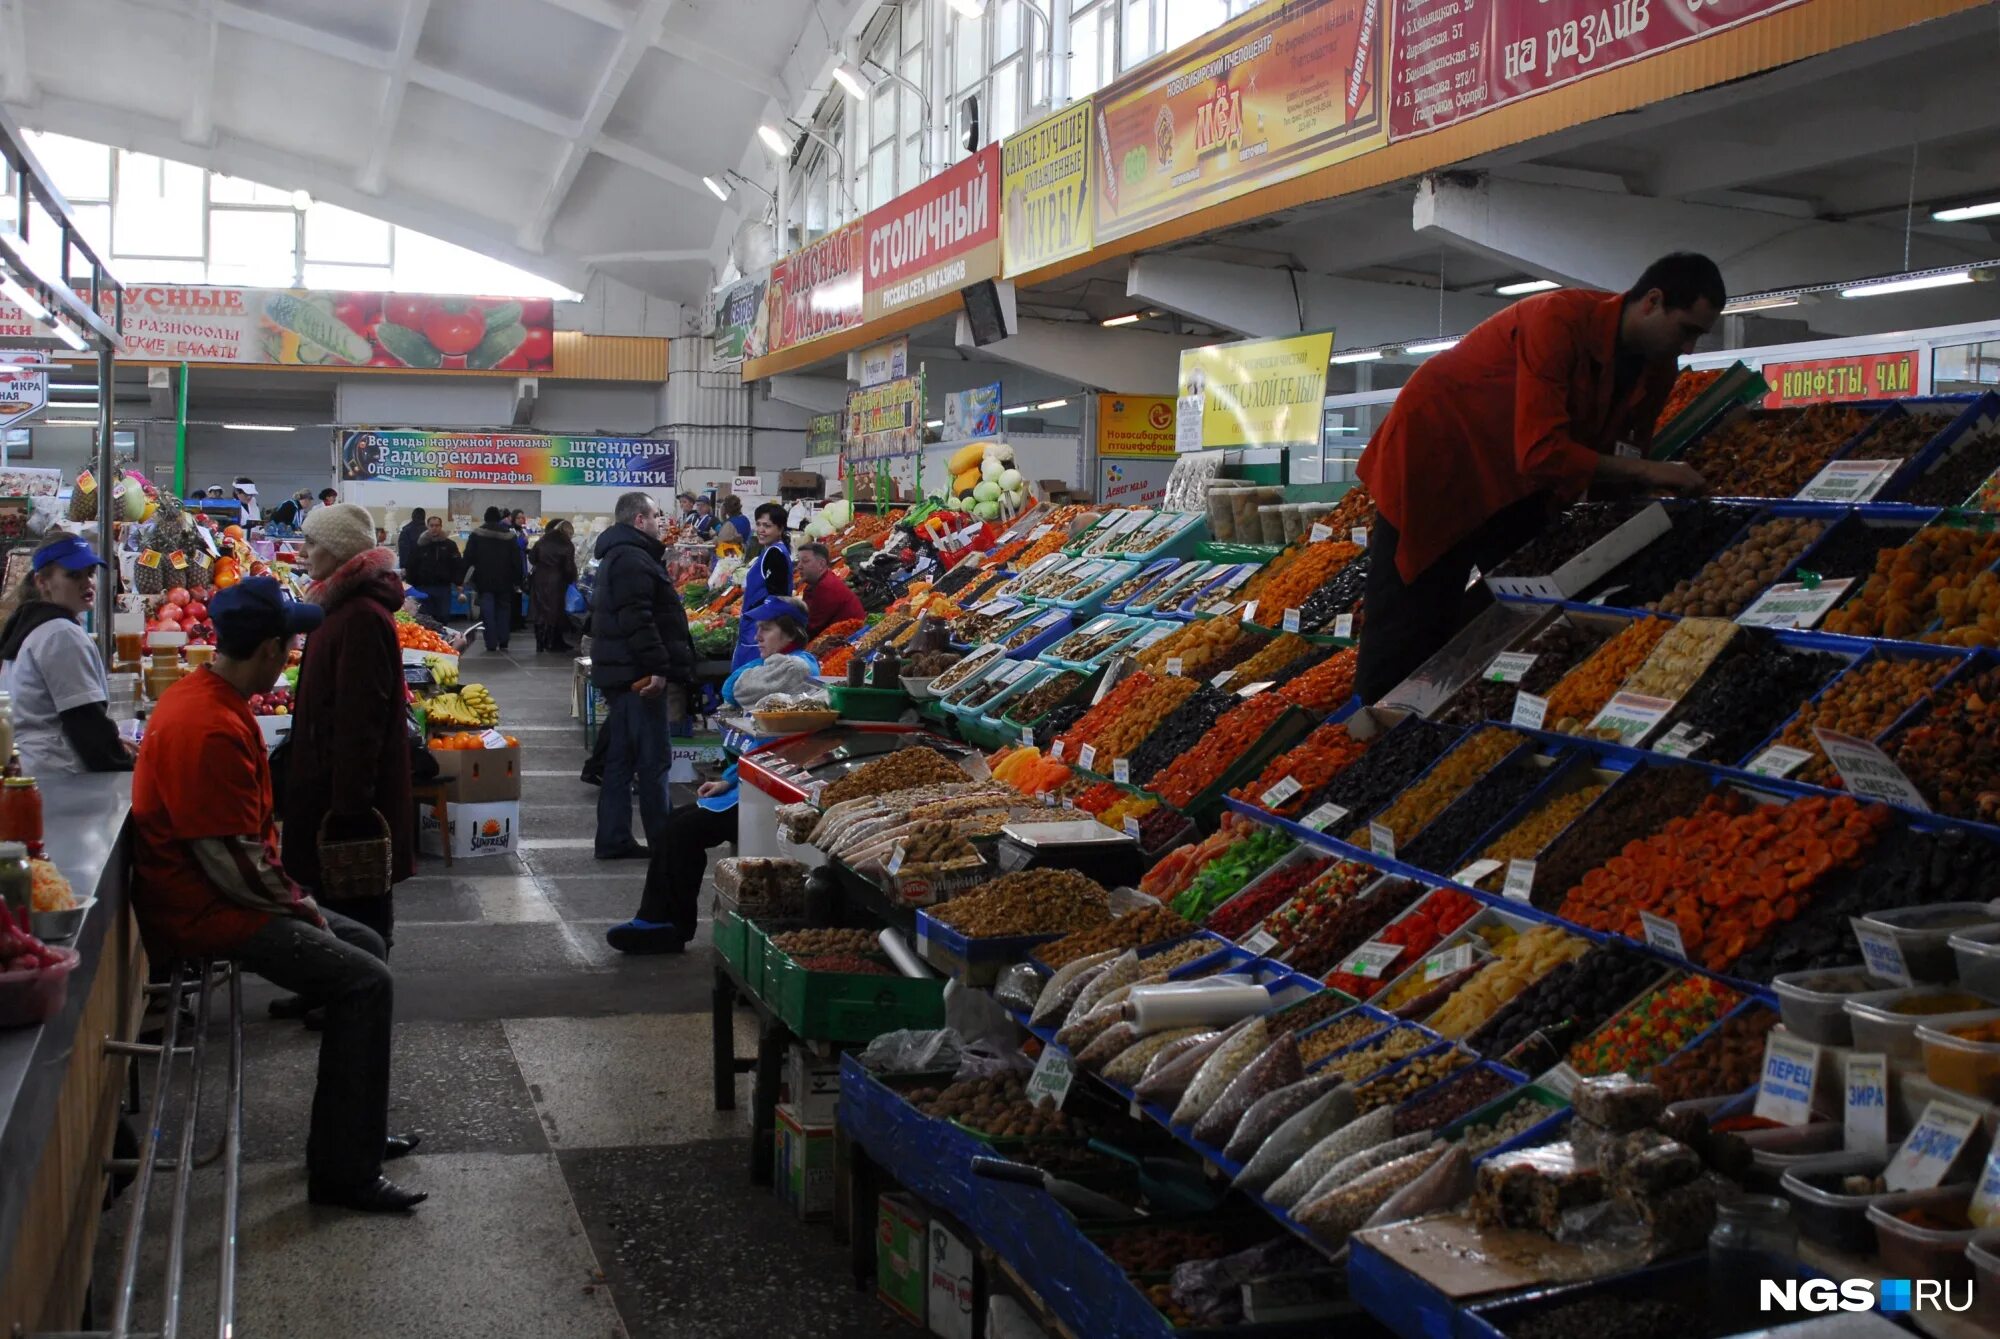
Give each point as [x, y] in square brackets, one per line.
[313, 328]
[487, 458]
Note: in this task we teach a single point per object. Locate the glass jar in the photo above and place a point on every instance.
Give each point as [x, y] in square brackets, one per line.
[1752, 1234]
[6, 725]
[21, 812]
[17, 881]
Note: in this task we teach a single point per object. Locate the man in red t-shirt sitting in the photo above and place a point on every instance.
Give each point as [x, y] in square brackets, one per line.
[207, 882]
[829, 600]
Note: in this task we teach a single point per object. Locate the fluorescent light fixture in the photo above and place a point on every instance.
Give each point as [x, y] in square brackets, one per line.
[260, 427]
[1052, 404]
[1364, 356]
[716, 189]
[1432, 345]
[1515, 290]
[1127, 319]
[1012, 410]
[19, 296]
[69, 423]
[1945, 280]
[68, 336]
[1758, 305]
[933, 423]
[971, 9]
[850, 79]
[1960, 213]
[774, 141]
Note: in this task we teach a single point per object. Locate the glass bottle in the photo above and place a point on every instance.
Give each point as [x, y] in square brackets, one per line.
[6, 725]
[1751, 1234]
[17, 881]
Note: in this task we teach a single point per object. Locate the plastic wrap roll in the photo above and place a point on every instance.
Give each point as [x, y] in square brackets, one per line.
[1157, 1008]
[908, 963]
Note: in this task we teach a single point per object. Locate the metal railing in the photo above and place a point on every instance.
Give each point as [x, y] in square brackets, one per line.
[161, 1109]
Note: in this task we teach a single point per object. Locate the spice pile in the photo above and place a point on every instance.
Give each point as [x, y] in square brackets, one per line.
[905, 769]
[1030, 902]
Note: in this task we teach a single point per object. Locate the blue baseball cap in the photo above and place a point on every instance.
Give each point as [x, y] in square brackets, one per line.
[777, 607]
[257, 608]
[71, 553]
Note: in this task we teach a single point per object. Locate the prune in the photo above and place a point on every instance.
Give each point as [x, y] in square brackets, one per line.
[1579, 995]
[1568, 535]
[1952, 482]
[1756, 686]
[1179, 732]
[1557, 651]
[1469, 817]
[1336, 597]
[1386, 768]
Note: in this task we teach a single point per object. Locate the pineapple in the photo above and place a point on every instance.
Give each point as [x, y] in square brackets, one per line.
[170, 530]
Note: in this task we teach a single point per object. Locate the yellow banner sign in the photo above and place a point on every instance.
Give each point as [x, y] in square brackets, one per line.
[1288, 88]
[1045, 190]
[1262, 392]
[1135, 425]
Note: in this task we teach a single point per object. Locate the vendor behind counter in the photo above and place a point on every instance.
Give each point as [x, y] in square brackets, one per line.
[1483, 444]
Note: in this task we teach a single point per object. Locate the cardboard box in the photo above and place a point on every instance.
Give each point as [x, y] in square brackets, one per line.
[812, 1086]
[804, 1172]
[809, 479]
[953, 1299]
[483, 776]
[901, 1279]
[1586, 567]
[474, 830]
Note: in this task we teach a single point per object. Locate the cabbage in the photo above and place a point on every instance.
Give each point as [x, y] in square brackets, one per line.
[818, 527]
[987, 511]
[990, 468]
[1017, 497]
[1010, 481]
[986, 491]
[838, 513]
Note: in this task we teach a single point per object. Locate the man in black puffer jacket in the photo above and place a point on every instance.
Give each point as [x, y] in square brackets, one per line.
[639, 645]
[493, 568]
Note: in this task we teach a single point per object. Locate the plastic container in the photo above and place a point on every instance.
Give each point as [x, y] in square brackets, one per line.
[839, 1006]
[1909, 1251]
[1977, 953]
[1812, 1003]
[1962, 1064]
[1878, 1027]
[29, 998]
[1827, 1214]
[1924, 935]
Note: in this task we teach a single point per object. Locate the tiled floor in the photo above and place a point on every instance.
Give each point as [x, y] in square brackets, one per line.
[582, 1183]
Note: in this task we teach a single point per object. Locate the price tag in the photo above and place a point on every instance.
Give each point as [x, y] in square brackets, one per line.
[1881, 952]
[1683, 741]
[1778, 761]
[1039, 531]
[1252, 689]
[1867, 771]
[1663, 934]
[1248, 613]
[1382, 840]
[1087, 757]
[1052, 1077]
[1867, 1117]
[999, 606]
[492, 739]
[177, 560]
[207, 540]
[1153, 637]
[1626, 451]
[1359, 534]
[1475, 871]
[1520, 880]
[1056, 750]
[1343, 626]
[1278, 794]
[1121, 771]
[1372, 959]
[814, 791]
[1325, 817]
[1222, 678]
[1529, 710]
[895, 860]
[1933, 1146]
[1985, 1209]
[1441, 965]
[1260, 943]
[1791, 1071]
[1174, 667]
[1510, 667]
[1321, 533]
[1291, 621]
[151, 558]
[1794, 604]
[1561, 1081]
[1632, 716]
[1848, 481]
[1132, 827]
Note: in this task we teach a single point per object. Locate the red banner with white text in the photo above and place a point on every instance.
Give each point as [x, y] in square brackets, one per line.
[936, 238]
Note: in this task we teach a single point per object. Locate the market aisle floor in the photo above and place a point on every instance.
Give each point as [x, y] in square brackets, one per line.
[581, 1183]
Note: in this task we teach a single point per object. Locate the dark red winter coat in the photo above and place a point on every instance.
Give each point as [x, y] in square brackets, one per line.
[350, 747]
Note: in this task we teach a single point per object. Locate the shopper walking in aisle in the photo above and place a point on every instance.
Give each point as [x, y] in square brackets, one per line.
[769, 576]
[493, 568]
[51, 669]
[828, 598]
[669, 907]
[406, 542]
[518, 522]
[1490, 437]
[434, 568]
[208, 880]
[552, 571]
[349, 771]
[640, 654]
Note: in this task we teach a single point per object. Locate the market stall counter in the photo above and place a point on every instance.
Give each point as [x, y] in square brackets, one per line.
[59, 1090]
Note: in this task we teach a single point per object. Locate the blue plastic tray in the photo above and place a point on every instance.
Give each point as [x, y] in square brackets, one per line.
[1152, 575]
[1170, 592]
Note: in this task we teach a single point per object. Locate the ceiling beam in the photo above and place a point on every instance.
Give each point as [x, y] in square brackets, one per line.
[16, 85]
[631, 47]
[601, 12]
[395, 85]
[245, 18]
[490, 99]
[647, 257]
[721, 63]
[198, 127]
[623, 151]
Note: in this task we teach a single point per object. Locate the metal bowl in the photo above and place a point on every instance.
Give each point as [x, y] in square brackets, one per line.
[52, 926]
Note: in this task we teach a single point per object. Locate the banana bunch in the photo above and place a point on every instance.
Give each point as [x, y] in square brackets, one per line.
[481, 703]
[452, 709]
[444, 673]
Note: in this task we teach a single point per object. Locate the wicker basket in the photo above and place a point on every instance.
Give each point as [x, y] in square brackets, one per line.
[794, 722]
[356, 867]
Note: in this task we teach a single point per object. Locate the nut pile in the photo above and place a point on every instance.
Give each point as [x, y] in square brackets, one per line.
[1575, 702]
[1312, 1009]
[1413, 1078]
[1135, 929]
[996, 1106]
[1091, 640]
[1519, 1118]
[1037, 701]
[1863, 702]
[812, 943]
[935, 842]
[1953, 479]
[1029, 902]
[1902, 597]
[905, 769]
[1953, 754]
[1568, 535]
[1335, 1036]
[1699, 529]
[1557, 651]
[1774, 452]
[1455, 773]
[846, 964]
[1448, 1101]
[1729, 583]
[1394, 1046]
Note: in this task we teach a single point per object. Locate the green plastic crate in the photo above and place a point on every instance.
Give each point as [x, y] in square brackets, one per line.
[834, 1006]
[867, 704]
[732, 934]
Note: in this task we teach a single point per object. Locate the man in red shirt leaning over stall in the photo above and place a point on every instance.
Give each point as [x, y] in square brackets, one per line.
[828, 599]
[207, 882]
[1536, 404]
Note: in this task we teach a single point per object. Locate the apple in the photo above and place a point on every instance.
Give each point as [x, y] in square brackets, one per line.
[179, 595]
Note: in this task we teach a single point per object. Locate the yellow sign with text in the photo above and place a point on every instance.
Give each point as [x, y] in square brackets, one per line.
[1135, 425]
[1262, 392]
[1045, 191]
